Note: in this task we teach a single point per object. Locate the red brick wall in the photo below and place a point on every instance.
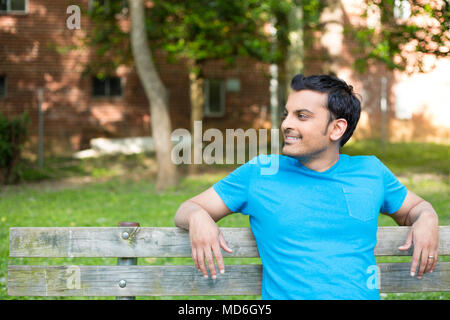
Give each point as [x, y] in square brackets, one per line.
[72, 116]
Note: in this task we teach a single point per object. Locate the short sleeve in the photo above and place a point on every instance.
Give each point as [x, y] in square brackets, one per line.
[233, 189]
[394, 191]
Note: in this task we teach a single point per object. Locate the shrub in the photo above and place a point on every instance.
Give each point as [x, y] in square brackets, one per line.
[13, 133]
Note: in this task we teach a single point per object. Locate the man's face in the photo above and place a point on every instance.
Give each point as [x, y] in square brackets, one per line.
[306, 124]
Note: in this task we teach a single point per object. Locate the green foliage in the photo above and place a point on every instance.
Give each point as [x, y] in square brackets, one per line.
[199, 30]
[13, 133]
[194, 30]
[386, 43]
[204, 29]
[311, 11]
[107, 37]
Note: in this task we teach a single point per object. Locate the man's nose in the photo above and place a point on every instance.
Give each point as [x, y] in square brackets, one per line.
[287, 124]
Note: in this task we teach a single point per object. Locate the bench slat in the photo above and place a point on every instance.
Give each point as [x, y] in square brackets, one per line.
[164, 242]
[184, 280]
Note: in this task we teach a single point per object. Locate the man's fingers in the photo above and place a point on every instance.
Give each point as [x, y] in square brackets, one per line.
[408, 242]
[194, 257]
[430, 261]
[423, 263]
[435, 259]
[415, 261]
[210, 261]
[201, 262]
[224, 244]
[219, 259]
[205, 253]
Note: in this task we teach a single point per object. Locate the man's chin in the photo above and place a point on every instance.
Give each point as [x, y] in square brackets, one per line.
[289, 151]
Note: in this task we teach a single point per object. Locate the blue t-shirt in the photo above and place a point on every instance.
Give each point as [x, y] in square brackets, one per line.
[315, 231]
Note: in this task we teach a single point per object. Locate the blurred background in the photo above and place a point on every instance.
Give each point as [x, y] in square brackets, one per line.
[91, 90]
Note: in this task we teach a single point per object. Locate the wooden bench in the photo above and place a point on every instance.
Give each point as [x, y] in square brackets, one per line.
[128, 280]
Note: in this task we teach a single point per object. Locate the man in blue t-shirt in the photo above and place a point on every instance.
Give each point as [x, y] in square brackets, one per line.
[315, 217]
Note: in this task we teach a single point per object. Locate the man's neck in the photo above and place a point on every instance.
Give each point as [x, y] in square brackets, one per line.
[321, 162]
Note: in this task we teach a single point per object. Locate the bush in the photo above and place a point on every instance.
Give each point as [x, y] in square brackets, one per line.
[13, 133]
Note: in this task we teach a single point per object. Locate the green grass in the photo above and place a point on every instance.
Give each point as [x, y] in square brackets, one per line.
[405, 158]
[101, 205]
[63, 167]
[423, 168]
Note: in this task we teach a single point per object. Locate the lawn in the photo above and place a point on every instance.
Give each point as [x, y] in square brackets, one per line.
[103, 192]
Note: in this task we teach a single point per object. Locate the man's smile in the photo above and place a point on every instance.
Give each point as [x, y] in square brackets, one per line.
[290, 139]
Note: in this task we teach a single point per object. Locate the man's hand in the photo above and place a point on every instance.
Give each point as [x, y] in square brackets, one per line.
[206, 240]
[199, 215]
[424, 234]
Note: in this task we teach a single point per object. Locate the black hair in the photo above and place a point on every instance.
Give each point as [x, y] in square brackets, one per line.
[342, 101]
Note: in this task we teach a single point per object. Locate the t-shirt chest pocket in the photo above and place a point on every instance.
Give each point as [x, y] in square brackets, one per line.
[360, 203]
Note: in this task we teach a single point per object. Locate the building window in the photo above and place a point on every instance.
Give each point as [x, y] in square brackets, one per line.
[214, 98]
[233, 85]
[2, 87]
[13, 6]
[106, 87]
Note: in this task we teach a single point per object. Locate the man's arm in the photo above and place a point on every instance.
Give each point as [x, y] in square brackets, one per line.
[419, 214]
[199, 215]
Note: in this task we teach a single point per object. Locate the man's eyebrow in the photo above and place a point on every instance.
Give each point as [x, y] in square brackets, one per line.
[300, 110]
[303, 110]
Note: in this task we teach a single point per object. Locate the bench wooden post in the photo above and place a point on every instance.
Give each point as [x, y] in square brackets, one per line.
[125, 261]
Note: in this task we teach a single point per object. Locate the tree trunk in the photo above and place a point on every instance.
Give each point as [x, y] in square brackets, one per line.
[282, 36]
[196, 94]
[156, 94]
[295, 52]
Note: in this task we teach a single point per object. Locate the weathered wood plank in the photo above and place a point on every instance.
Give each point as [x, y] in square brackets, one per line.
[395, 277]
[140, 281]
[108, 242]
[164, 242]
[184, 280]
[390, 238]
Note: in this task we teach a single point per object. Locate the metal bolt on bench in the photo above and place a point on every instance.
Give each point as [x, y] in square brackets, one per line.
[126, 261]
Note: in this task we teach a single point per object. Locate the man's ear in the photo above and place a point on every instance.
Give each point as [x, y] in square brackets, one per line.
[338, 129]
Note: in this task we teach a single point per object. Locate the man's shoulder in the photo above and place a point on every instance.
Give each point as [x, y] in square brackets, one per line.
[363, 162]
[370, 159]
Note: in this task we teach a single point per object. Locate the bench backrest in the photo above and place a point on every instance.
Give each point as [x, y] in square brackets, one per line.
[165, 280]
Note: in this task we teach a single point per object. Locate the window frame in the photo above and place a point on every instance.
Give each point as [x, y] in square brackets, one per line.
[18, 12]
[207, 112]
[5, 87]
[107, 94]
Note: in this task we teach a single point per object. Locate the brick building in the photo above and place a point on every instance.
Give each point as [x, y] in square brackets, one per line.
[77, 107]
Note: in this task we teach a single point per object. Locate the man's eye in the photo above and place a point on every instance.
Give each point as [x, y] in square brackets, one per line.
[302, 116]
